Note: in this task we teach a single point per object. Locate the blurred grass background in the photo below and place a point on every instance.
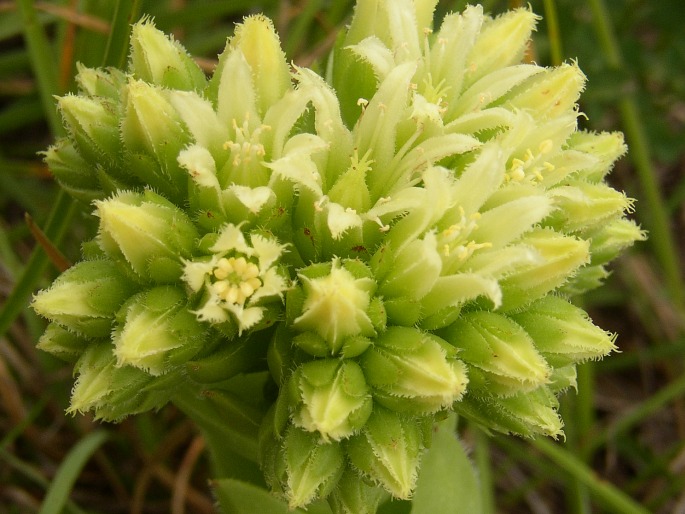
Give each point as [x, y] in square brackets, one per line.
[626, 425]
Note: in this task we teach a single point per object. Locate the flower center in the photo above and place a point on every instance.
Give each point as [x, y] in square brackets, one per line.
[246, 144]
[236, 279]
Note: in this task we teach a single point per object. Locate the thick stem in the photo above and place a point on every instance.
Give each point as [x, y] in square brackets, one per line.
[230, 431]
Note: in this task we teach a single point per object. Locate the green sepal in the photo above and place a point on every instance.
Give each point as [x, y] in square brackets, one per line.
[564, 333]
[413, 372]
[353, 495]
[156, 332]
[148, 232]
[331, 397]
[85, 298]
[74, 174]
[160, 60]
[388, 451]
[525, 414]
[58, 341]
[501, 350]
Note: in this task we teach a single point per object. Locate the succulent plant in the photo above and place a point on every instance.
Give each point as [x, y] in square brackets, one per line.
[391, 242]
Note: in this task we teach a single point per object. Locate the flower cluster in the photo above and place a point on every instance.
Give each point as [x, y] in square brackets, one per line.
[403, 235]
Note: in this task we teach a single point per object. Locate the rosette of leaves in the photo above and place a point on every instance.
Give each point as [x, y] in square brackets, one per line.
[381, 246]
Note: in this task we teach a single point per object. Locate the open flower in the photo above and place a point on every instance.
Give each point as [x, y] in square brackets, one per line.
[236, 278]
[392, 241]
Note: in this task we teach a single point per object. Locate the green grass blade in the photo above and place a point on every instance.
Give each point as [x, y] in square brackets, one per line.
[43, 62]
[605, 493]
[658, 222]
[62, 213]
[68, 472]
[552, 20]
[125, 13]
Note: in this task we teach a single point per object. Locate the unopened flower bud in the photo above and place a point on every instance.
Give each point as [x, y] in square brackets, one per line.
[58, 341]
[147, 231]
[259, 43]
[156, 331]
[526, 414]
[583, 206]
[74, 174]
[98, 82]
[550, 94]
[151, 125]
[112, 391]
[563, 333]
[501, 43]
[352, 495]
[501, 356]
[563, 378]
[610, 239]
[93, 124]
[388, 451]
[310, 467]
[85, 298]
[330, 397]
[561, 256]
[158, 59]
[414, 372]
[416, 268]
[94, 383]
[335, 304]
[603, 148]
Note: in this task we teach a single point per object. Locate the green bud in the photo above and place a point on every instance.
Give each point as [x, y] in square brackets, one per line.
[85, 298]
[335, 305]
[525, 414]
[135, 391]
[330, 397]
[151, 125]
[93, 124]
[114, 392]
[563, 333]
[585, 279]
[158, 59]
[95, 371]
[500, 351]
[156, 331]
[563, 378]
[352, 495]
[61, 343]
[582, 206]
[550, 94]
[414, 372]
[73, 173]
[603, 148]
[416, 268]
[105, 83]
[611, 238]
[312, 467]
[257, 40]
[501, 42]
[388, 451]
[560, 256]
[147, 231]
